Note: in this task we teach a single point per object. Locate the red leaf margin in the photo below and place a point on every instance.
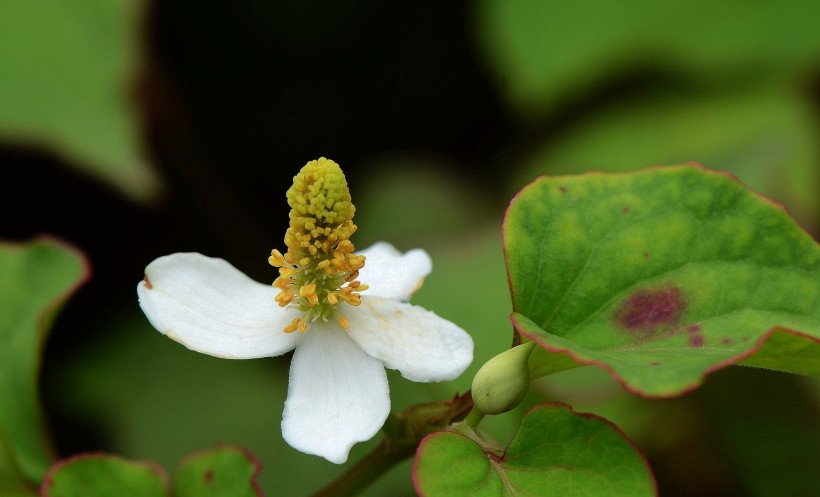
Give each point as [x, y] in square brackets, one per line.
[227, 446]
[48, 481]
[54, 305]
[606, 367]
[618, 430]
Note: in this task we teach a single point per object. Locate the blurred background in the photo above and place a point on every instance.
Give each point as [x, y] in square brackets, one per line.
[134, 129]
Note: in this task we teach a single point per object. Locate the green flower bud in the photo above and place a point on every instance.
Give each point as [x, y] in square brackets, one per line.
[503, 381]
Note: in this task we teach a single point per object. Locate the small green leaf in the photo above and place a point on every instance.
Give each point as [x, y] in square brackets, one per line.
[64, 81]
[104, 475]
[555, 452]
[661, 277]
[36, 279]
[223, 471]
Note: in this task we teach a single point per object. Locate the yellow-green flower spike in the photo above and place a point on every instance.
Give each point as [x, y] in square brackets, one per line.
[319, 270]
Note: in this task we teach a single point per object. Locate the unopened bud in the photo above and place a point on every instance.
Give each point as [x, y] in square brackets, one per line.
[503, 381]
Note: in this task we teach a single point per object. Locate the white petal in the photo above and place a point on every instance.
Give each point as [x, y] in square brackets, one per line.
[423, 346]
[391, 274]
[337, 396]
[211, 307]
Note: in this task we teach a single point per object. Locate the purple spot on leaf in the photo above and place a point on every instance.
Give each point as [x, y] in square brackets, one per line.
[651, 309]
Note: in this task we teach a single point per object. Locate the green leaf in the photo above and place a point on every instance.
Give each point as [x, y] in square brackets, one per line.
[37, 278]
[555, 452]
[661, 277]
[103, 475]
[768, 137]
[12, 483]
[546, 52]
[222, 471]
[64, 79]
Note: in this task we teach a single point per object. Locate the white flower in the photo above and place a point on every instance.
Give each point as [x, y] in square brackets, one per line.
[338, 393]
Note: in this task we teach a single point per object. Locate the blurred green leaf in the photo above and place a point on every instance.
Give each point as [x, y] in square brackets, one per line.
[661, 277]
[103, 475]
[38, 277]
[545, 52]
[65, 71]
[768, 138]
[12, 483]
[223, 471]
[555, 452]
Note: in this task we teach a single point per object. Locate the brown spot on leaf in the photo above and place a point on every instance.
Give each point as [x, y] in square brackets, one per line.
[563, 189]
[646, 255]
[625, 209]
[650, 309]
[696, 339]
[654, 363]
[147, 283]
[208, 476]
[726, 341]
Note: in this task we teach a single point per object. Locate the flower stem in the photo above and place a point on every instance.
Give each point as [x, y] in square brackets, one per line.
[382, 458]
[473, 418]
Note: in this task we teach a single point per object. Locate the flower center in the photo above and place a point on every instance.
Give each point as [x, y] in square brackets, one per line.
[319, 270]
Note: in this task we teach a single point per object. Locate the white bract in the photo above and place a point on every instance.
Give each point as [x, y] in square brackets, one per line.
[338, 393]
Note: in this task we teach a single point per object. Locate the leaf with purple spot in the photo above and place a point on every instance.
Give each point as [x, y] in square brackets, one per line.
[555, 452]
[660, 277]
[227, 470]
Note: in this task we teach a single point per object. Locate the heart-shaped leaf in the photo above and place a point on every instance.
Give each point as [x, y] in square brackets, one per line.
[104, 475]
[36, 279]
[223, 471]
[661, 276]
[555, 452]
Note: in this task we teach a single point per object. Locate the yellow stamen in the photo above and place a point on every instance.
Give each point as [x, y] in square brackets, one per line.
[343, 322]
[276, 258]
[292, 326]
